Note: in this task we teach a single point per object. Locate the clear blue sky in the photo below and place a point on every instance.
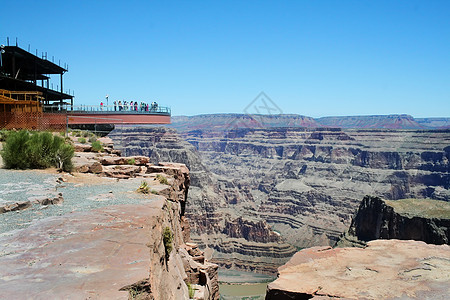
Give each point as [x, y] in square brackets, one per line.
[315, 58]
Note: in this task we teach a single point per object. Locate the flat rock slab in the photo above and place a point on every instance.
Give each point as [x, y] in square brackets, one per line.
[385, 269]
[83, 255]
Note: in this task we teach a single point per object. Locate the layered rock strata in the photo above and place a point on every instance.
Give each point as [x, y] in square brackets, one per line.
[407, 219]
[385, 269]
[302, 183]
[229, 238]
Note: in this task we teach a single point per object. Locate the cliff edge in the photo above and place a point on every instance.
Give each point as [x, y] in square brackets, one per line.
[139, 250]
[407, 219]
[385, 269]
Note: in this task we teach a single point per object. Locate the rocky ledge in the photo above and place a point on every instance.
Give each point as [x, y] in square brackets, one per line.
[385, 269]
[137, 251]
[407, 219]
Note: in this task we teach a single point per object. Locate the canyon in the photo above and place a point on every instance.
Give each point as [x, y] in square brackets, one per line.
[258, 195]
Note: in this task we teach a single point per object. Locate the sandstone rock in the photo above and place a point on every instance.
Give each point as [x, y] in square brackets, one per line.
[106, 141]
[82, 169]
[113, 160]
[121, 171]
[95, 253]
[15, 206]
[52, 201]
[96, 168]
[384, 269]
[82, 147]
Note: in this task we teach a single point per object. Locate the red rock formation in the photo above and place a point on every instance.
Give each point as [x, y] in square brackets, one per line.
[385, 269]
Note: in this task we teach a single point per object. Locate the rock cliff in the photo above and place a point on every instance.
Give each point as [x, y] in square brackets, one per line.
[406, 219]
[228, 237]
[303, 184]
[140, 250]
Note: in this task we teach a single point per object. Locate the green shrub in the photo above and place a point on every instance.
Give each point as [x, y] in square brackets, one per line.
[37, 150]
[41, 149]
[3, 134]
[92, 139]
[85, 133]
[168, 239]
[14, 151]
[64, 157]
[82, 140]
[131, 161]
[97, 146]
[154, 192]
[77, 133]
[162, 179]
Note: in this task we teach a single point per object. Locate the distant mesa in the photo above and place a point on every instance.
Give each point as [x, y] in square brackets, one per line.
[226, 122]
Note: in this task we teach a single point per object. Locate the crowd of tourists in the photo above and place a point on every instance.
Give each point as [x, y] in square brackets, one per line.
[132, 106]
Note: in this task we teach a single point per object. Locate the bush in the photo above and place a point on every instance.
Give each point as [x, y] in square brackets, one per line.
[144, 188]
[92, 139]
[64, 157]
[37, 150]
[14, 150]
[85, 133]
[168, 239]
[82, 140]
[131, 161]
[162, 179]
[97, 146]
[3, 135]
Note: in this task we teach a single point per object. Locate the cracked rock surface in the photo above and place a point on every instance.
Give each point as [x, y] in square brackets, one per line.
[385, 269]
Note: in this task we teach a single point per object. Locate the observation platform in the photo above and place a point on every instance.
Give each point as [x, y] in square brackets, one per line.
[95, 114]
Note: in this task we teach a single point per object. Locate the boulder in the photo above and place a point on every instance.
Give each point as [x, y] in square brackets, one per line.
[52, 201]
[121, 171]
[96, 168]
[385, 269]
[15, 206]
[82, 147]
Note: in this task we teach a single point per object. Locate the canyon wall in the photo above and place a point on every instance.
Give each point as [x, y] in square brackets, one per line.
[407, 219]
[258, 194]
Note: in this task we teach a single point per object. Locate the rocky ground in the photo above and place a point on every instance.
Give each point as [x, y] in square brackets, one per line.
[385, 269]
[97, 244]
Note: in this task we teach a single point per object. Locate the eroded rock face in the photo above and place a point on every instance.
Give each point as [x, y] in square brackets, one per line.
[421, 220]
[208, 207]
[385, 269]
[303, 183]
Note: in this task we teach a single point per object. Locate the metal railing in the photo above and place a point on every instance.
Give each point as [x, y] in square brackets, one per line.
[108, 109]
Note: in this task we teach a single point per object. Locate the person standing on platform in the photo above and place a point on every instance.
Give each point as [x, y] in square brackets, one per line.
[115, 105]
